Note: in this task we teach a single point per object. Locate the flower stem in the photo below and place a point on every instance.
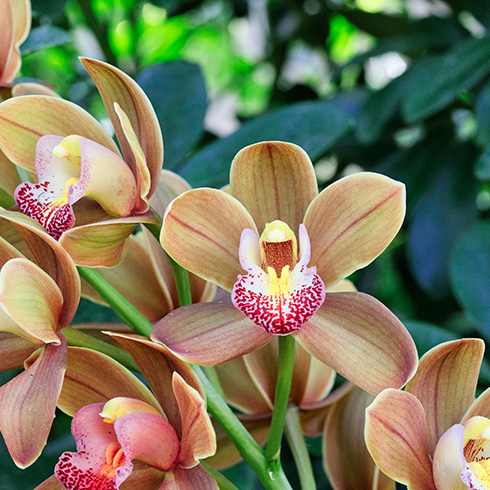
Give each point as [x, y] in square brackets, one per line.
[121, 306]
[297, 444]
[281, 400]
[77, 338]
[271, 475]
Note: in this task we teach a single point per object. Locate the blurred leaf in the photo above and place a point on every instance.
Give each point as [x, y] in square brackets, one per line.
[448, 208]
[470, 273]
[43, 37]
[482, 112]
[425, 34]
[179, 98]
[314, 126]
[377, 24]
[241, 475]
[482, 167]
[417, 166]
[426, 335]
[443, 78]
[50, 8]
[379, 109]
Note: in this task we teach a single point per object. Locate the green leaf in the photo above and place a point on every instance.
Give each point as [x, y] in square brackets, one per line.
[482, 167]
[470, 273]
[314, 126]
[379, 108]
[448, 208]
[42, 37]
[443, 78]
[377, 24]
[482, 112]
[178, 95]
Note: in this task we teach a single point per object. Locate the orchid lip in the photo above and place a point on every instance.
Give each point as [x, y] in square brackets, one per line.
[281, 293]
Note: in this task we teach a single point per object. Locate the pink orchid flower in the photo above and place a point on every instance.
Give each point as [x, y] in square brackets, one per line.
[110, 436]
[274, 193]
[72, 158]
[435, 434]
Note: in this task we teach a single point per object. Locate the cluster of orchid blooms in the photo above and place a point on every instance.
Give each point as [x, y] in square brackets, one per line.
[266, 259]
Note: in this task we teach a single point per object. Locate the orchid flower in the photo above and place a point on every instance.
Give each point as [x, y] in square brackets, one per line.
[434, 435]
[145, 440]
[274, 193]
[74, 159]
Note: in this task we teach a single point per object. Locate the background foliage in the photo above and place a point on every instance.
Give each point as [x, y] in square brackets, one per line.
[392, 86]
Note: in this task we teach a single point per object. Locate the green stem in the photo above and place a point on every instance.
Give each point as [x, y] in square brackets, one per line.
[77, 338]
[271, 475]
[281, 400]
[212, 375]
[296, 441]
[221, 480]
[121, 306]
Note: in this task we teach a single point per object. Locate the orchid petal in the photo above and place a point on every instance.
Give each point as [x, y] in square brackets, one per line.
[30, 302]
[28, 402]
[188, 479]
[88, 467]
[209, 333]
[10, 179]
[445, 384]
[319, 381]
[481, 406]
[48, 254]
[198, 439]
[274, 180]
[346, 459]
[52, 483]
[115, 86]
[144, 477]
[101, 244]
[312, 419]
[395, 437]
[449, 461]
[22, 20]
[136, 279]
[7, 73]
[170, 185]
[8, 252]
[149, 438]
[147, 355]
[14, 351]
[23, 120]
[142, 173]
[201, 231]
[92, 377]
[32, 88]
[247, 399]
[355, 334]
[352, 221]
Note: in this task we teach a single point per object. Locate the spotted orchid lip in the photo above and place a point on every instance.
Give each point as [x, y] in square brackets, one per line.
[279, 303]
[69, 169]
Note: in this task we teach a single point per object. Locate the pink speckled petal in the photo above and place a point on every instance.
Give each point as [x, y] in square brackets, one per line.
[88, 467]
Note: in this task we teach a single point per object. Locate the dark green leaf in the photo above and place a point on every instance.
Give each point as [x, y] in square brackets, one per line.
[443, 78]
[482, 112]
[379, 109]
[426, 335]
[178, 94]
[448, 208]
[377, 24]
[315, 126]
[470, 273]
[42, 37]
[482, 167]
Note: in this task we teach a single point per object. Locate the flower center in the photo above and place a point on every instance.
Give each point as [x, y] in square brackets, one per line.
[115, 458]
[280, 293]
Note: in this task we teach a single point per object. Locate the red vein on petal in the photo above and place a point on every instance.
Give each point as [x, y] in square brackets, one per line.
[30, 130]
[345, 230]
